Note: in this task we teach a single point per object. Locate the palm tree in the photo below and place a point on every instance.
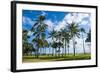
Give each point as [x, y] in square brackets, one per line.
[39, 29]
[24, 41]
[83, 31]
[58, 37]
[49, 46]
[45, 44]
[66, 38]
[74, 32]
[54, 45]
[88, 39]
[52, 35]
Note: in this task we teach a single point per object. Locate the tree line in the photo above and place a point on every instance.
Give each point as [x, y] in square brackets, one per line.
[60, 39]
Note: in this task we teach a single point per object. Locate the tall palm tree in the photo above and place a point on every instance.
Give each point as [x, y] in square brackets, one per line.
[74, 32]
[58, 37]
[39, 29]
[54, 45]
[66, 37]
[52, 35]
[49, 46]
[88, 39]
[83, 31]
[24, 41]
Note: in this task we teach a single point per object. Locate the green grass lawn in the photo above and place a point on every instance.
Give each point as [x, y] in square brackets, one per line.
[46, 58]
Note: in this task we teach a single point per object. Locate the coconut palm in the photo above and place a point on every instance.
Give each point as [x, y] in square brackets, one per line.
[66, 38]
[58, 37]
[54, 45]
[49, 47]
[24, 41]
[39, 29]
[83, 31]
[88, 39]
[52, 35]
[74, 32]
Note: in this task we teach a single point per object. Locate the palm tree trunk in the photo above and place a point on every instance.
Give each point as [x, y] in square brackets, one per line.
[59, 47]
[83, 44]
[49, 51]
[52, 48]
[37, 54]
[59, 52]
[62, 53]
[52, 51]
[74, 46]
[65, 47]
[45, 51]
[68, 49]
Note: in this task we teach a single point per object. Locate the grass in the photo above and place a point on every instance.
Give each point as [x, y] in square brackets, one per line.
[46, 58]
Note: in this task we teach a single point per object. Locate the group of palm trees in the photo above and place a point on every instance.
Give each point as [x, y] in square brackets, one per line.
[60, 39]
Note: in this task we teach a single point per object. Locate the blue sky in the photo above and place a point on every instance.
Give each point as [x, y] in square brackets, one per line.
[57, 20]
[58, 16]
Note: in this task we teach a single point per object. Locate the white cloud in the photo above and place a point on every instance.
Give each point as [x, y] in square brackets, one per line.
[29, 33]
[77, 17]
[84, 22]
[50, 24]
[74, 17]
[27, 20]
[43, 13]
[79, 46]
[60, 25]
[69, 18]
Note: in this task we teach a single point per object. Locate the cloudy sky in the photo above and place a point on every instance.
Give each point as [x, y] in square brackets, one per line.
[57, 20]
